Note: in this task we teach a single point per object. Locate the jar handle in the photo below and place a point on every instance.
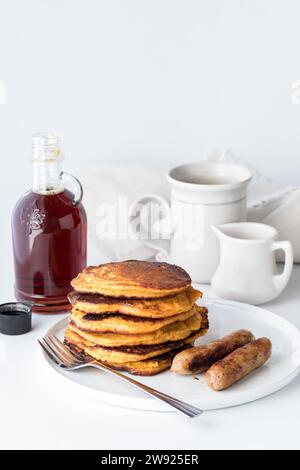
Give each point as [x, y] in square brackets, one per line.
[138, 212]
[76, 185]
[281, 280]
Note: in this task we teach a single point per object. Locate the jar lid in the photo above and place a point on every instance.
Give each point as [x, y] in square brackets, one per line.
[15, 318]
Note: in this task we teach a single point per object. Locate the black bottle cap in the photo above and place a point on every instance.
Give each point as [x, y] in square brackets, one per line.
[15, 318]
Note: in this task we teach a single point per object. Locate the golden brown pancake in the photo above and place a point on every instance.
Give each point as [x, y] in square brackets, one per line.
[148, 367]
[155, 308]
[133, 279]
[173, 332]
[125, 324]
[127, 353]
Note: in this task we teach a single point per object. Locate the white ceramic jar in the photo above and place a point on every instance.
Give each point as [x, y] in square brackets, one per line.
[202, 194]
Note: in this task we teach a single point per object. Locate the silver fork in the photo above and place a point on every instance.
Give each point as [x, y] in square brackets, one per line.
[69, 360]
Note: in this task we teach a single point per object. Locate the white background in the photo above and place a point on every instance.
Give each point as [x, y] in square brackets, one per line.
[149, 80]
[141, 80]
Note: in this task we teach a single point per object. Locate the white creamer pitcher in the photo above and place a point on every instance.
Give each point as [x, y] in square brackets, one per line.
[247, 270]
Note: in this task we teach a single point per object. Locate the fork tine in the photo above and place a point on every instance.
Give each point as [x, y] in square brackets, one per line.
[48, 353]
[66, 349]
[56, 353]
[65, 354]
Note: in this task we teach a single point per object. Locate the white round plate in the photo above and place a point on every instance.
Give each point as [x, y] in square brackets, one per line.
[224, 317]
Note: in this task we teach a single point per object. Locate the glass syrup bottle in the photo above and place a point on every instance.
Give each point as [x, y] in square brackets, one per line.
[49, 230]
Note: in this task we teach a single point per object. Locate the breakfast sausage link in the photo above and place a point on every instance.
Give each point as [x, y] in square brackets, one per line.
[238, 364]
[200, 358]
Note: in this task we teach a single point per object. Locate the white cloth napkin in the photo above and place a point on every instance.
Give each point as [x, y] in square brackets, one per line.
[107, 184]
[267, 203]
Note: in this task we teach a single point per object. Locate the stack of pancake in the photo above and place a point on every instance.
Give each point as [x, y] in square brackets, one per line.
[134, 315]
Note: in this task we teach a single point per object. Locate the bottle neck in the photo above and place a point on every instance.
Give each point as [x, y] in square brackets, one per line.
[48, 177]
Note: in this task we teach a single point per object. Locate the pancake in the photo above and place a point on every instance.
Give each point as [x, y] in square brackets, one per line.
[125, 324]
[148, 367]
[155, 308]
[174, 332]
[124, 354]
[133, 279]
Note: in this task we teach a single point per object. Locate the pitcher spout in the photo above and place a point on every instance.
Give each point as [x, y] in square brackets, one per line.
[217, 229]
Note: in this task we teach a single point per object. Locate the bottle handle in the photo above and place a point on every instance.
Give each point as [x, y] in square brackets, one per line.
[281, 280]
[76, 185]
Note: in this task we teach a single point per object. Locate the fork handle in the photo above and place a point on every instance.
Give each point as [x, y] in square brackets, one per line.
[188, 410]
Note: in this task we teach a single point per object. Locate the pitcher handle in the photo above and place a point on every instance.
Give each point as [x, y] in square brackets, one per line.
[281, 280]
[76, 185]
[156, 235]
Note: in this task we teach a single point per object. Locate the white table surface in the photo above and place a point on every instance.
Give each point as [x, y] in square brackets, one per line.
[35, 414]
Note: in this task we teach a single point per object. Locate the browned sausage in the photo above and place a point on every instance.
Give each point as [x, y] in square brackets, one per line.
[238, 364]
[200, 358]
